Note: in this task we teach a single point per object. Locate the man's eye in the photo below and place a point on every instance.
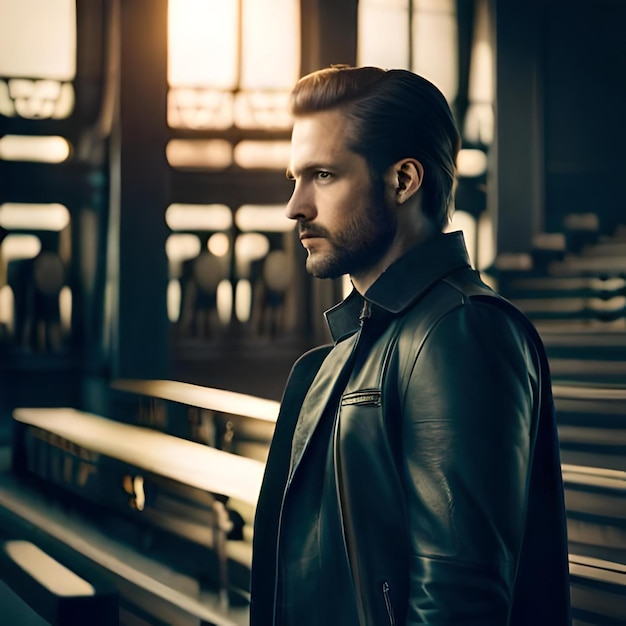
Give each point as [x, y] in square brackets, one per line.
[322, 175]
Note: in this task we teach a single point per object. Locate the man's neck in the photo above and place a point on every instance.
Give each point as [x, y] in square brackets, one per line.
[400, 245]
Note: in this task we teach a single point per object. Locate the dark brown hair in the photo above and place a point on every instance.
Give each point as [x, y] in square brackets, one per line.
[394, 114]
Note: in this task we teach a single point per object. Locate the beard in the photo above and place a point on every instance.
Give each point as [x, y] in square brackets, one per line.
[359, 244]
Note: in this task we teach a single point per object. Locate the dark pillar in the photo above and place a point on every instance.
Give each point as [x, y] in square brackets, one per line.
[140, 194]
[516, 194]
[329, 31]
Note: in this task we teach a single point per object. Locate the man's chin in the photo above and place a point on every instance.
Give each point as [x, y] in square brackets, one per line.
[321, 268]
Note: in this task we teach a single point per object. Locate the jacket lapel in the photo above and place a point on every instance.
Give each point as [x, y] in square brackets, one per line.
[330, 380]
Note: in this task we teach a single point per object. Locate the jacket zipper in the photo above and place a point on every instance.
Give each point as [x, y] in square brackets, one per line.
[365, 314]
[388, 606]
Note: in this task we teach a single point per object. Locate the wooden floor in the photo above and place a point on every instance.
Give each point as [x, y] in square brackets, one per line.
[117, 551]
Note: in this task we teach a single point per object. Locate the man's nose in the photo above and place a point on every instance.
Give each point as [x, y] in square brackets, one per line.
[300, 205]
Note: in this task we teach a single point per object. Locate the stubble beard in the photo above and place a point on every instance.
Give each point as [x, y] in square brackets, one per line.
[359, 245]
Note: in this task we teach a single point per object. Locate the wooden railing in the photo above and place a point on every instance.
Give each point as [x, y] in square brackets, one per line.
[189, 487]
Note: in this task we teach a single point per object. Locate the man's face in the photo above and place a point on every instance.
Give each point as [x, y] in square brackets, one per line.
[344, 222]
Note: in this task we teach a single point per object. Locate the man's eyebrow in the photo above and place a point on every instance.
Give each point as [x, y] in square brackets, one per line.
[313, 166]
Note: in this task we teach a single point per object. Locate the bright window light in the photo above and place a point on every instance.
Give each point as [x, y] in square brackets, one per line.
[486, 241]
[16, 247]
[471, 163]
[199, 153]
[198, 217]
[18, 216]
[227, 68]
[385, 38]
[435, 44]
[270, 44]
[251, 246]
[346, 285]
[467, 224]
[65, 308]
[218, 244]
[6, 307]
[263, 109]
[199, 108]
[174, 297]
[481, 70]
[36, 99]
[383, 33]
[224, 301]
[38, 39]
[264, 218]
[263, 154]
[243, 300]
[40, 149]
[182, 246]
[203, 43]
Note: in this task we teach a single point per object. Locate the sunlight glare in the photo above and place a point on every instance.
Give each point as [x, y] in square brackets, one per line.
[203, 43]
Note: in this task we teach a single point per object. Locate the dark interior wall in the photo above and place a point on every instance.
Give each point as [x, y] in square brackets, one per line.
[584, 92]
[515, 197]
[560, 86]
[140, 195]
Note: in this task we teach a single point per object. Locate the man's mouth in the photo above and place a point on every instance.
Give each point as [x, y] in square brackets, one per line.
[310, 234]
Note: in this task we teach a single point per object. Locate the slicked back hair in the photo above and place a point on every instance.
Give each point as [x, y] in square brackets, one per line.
[393, 114]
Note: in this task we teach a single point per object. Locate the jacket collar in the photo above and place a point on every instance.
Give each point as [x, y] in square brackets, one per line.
[402, 283]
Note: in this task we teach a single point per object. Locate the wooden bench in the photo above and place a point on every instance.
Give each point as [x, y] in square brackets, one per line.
[562, 286]
[572, 309]
[593, 447]
[592, 492]
[202, 467]
[565, 287]
[598, 590]
[587, 371]
[52, 590]
[583, 341]
[592, 424]
[601, 266]
[218, 400]
[157, 479]
[149, 590]
[595, 500]
[161, 478]
[227, 420]
[42, 583]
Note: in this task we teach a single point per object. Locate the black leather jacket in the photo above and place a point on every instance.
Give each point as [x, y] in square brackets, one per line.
[444, 457]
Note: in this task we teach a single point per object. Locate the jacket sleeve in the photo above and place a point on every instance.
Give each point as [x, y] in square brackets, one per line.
[469, 416]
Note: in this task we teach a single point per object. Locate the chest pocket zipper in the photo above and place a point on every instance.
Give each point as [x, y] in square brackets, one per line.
[388, 606]
[363, 397]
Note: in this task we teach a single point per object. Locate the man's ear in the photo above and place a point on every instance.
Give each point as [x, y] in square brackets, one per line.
[405, 178]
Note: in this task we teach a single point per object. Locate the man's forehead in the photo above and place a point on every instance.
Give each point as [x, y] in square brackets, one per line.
[319, 135]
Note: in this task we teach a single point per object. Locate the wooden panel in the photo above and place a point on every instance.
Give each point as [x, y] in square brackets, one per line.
[183, 461]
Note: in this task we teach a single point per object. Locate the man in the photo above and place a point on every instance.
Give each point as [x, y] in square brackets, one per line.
[414, 475]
